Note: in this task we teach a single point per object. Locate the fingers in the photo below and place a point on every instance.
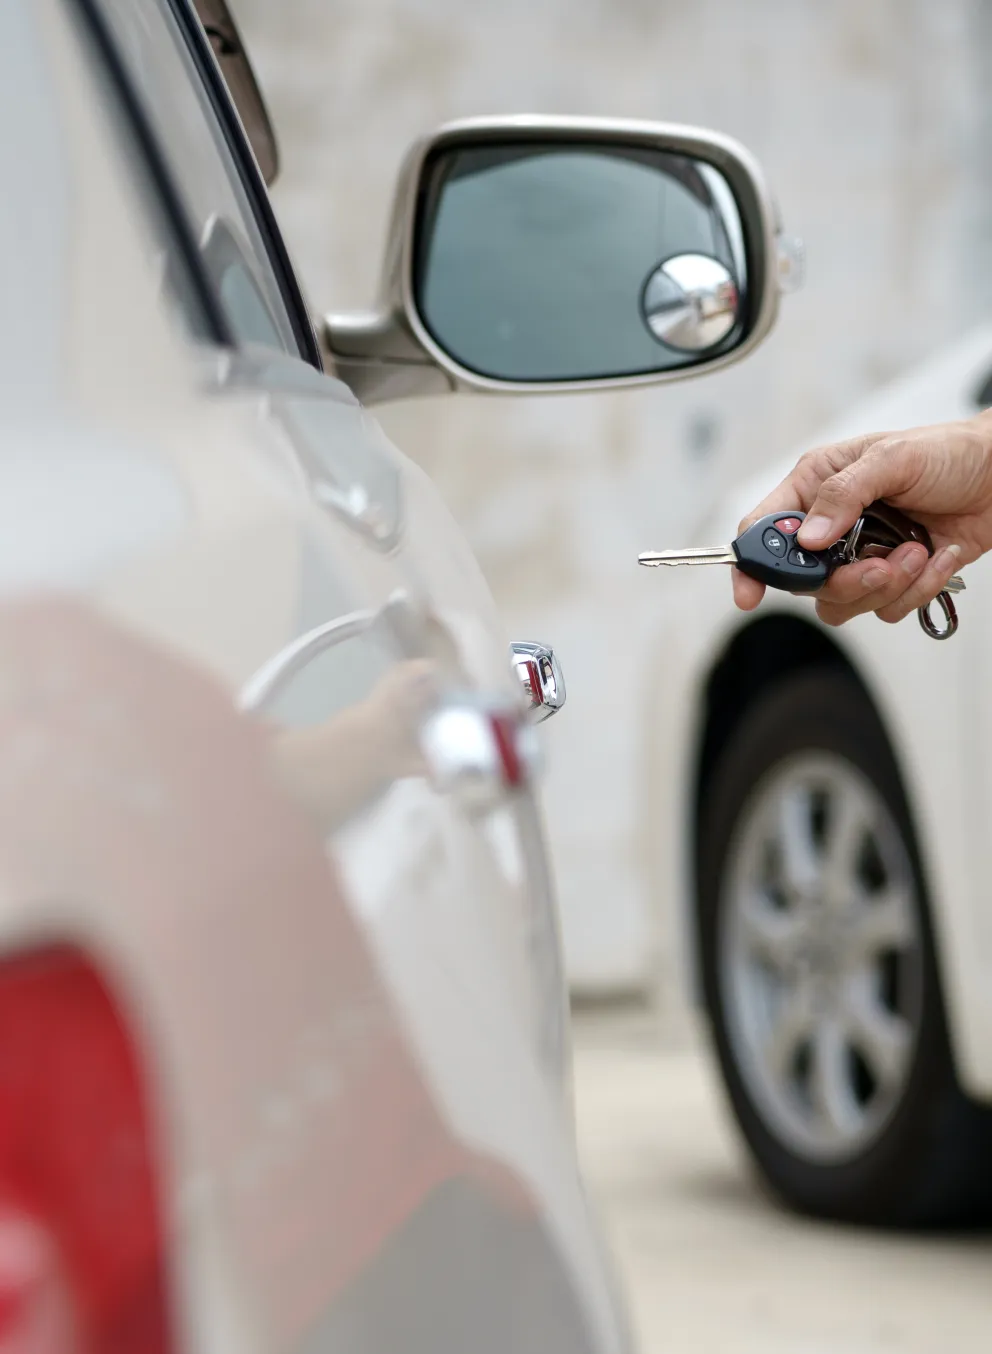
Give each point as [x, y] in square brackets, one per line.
[870, 584]
[893, 588]
[748, 592]
[785, 497]
[801, 486]
[885, 469]
[926, 586]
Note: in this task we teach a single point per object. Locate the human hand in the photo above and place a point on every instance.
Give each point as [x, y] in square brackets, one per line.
[335, 768]
[940, 475]
[395, 710]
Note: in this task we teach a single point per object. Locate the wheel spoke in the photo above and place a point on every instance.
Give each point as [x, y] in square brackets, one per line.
[883, 1038]
[770, 933]
[850, 818]
[830, 1081]
[791, 1027]
[794, 829]
[883, 921]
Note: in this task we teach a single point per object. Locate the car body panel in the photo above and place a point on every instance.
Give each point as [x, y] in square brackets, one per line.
[341, 994]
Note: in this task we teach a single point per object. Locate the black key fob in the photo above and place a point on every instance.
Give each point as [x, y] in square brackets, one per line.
[769, 552]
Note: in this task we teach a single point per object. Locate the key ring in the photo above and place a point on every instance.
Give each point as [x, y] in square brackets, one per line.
[950, 617]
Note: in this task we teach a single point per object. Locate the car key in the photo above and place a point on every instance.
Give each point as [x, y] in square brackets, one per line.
[768, 551]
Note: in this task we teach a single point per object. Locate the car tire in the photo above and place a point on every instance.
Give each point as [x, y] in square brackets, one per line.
[830, 1034]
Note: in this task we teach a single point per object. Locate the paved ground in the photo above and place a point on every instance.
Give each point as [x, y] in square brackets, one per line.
[710, 1265]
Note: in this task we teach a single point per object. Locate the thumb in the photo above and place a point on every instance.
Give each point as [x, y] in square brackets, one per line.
[842, 498]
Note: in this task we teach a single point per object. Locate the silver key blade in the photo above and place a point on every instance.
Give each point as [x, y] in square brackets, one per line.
[955, 584]
[707, 554]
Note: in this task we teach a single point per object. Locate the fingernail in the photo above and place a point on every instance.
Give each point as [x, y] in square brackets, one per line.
[913, 560]
[947, 561]
[815, 529]
[874, 577]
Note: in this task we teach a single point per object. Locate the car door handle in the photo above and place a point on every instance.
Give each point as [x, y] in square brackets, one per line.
[477, 748]
[274, 676]
[540, 675]
[480, 751]
[402, 629]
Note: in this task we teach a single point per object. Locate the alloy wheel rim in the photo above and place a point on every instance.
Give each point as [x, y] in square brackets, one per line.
[820, 955]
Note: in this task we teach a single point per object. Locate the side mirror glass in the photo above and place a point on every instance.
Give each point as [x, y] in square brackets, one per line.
[546, 263]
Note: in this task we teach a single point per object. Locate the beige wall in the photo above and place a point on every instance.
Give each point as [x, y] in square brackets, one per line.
[870, 117]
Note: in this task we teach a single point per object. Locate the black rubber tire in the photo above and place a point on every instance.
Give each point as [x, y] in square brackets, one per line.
[932, 1163]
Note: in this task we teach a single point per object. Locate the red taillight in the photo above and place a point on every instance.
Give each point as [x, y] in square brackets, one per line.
[81, 1254]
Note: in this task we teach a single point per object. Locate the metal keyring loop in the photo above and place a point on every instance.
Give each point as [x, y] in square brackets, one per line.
[849, 543]
[950, 616]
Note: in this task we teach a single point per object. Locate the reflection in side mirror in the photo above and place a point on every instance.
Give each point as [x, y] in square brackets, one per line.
[553, 253]
[557, 263]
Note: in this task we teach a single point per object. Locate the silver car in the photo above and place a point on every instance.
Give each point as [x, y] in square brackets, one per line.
[283, 1053]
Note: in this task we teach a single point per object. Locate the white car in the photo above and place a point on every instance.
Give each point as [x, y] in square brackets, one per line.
[827, 824]
[283, 1058]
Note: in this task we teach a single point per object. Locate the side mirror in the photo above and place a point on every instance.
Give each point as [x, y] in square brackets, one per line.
[536, 254]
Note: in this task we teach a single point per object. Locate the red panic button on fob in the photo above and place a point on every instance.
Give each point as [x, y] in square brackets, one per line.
[789, 525]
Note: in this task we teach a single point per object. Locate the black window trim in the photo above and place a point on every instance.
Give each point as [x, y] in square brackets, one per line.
[198, 45]
[170, 199]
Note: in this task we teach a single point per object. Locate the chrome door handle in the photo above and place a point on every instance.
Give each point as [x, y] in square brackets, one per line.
[540, 675]
[272, 677]
[479, 751]
[397, 618]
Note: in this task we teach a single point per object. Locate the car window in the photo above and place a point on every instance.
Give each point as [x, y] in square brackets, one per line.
[231, 242]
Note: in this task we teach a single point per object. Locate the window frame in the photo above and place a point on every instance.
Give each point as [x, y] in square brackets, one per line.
[166, 182]
[160, 176]
[219, 96]
[242, 84]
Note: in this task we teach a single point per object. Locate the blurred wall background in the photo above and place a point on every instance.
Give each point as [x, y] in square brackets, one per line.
[872, 119]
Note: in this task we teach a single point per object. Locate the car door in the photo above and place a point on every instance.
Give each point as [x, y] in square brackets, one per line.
[340, 605]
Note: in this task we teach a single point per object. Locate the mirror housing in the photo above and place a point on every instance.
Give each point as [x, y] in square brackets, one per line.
[533, 254]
